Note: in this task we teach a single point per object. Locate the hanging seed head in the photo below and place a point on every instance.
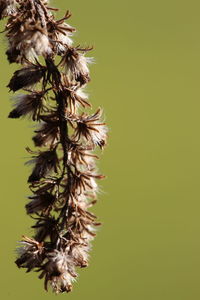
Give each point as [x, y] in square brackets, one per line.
[63, 182]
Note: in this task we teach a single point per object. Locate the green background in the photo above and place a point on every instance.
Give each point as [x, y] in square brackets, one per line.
[146, 77]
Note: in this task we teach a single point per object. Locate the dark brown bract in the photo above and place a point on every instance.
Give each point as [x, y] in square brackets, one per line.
[52, 80]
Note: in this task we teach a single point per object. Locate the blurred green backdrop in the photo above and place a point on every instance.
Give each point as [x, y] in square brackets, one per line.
[146, 78]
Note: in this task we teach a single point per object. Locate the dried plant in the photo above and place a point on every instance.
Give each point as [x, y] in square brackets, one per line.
[63, 179]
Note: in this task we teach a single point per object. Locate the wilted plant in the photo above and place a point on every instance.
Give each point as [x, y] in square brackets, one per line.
[63, 179]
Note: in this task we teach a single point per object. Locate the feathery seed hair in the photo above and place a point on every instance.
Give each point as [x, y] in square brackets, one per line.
[63, 178]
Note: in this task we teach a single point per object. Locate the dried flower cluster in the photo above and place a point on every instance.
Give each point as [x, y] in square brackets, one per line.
[63, 179]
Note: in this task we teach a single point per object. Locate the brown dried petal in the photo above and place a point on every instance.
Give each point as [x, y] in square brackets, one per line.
[77, 64]
[59, 271]
[26, 77]
[91, 128]
[46, 227]
[31, 253]
[79, 252]
[29, 104]
[48, 134]
[40, 202]
[46, 162]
